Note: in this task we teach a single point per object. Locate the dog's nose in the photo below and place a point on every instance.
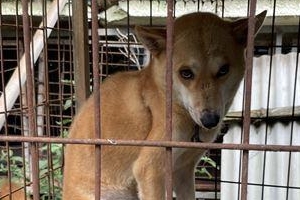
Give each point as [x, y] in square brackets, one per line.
[209, 119]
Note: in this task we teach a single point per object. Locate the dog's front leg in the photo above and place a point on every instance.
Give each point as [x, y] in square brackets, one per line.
[149, 173]
[184, 172]
[184, 183]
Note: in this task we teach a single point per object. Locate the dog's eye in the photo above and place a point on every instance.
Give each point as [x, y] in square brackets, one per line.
[186, 74]
[224, 69]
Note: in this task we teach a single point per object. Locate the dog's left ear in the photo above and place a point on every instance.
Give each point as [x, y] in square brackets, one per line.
[154, 39]
[240, 27]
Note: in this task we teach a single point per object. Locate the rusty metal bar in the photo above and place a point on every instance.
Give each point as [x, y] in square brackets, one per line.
[80, 51]
[153, 143]
[20, 51]
[96, 92]
[247, 96]
[30, 101]
[2, 70]
[169, 86]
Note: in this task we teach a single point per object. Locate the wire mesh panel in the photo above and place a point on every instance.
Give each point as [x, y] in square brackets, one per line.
[36, 91]
[54, 54]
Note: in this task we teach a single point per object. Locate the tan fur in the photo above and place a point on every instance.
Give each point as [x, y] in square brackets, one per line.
[13, 189]
[133, 107]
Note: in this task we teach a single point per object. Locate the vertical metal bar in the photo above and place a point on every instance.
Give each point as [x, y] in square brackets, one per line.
[42, 62]
[2, 75]
[30, 100]
[20, 52]
[151, 13]
[47, 111]
[3, 72]
[223, 8]
[80, 51]
[293, 112]
[268, 97]
[71, 50]
[169, 85]
[248, 88]
[106, 47]
[128, 36]
[96, 91]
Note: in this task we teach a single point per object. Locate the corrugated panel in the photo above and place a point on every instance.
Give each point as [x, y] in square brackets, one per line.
[270, 173]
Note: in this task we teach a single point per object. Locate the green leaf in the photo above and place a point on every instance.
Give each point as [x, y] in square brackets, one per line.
[68, 104]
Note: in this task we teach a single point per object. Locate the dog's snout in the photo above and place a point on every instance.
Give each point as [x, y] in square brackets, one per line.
[209, 119]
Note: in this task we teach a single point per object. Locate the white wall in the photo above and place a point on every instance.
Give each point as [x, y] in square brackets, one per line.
[268, 168]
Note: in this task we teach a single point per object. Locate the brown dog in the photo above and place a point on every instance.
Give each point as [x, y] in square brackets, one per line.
[13, 189]
[208, 66]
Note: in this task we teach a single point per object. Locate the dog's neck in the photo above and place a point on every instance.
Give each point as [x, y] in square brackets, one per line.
[196, 135]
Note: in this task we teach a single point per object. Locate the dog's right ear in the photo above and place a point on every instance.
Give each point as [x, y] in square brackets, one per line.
[154, 39]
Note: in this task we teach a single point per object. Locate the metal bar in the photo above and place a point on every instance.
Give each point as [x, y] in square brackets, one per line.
[30, 101]
[2, 70]
[169, 86]
[71, 50]
[247, 95]
[96, 92]
[293, 113]
[268, 111]
[266, 185]
[51, 170]
[151, 13]
[152, 143]
[128, 33]
[80, 51]
[20, 52]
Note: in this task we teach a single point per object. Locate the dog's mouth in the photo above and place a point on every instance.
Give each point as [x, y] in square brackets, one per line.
[207, 119]
[208, 123]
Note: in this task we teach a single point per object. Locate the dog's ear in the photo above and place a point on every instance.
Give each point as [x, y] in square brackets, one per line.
[154, 39]
[240, 27]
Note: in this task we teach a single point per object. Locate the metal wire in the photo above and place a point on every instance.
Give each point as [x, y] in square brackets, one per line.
[269, 93]
[30, 93]
[169, 89]
[248, 88]
[152, 143]
[97, 111]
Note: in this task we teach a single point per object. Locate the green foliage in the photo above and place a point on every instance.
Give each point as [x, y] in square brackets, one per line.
[207, 161]
[68, 104]
[15, 163]
[50, 171]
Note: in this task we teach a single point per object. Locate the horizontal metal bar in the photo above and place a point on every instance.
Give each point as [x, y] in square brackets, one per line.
[152, 143]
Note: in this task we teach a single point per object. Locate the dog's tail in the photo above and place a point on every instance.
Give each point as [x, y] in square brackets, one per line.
[11, 191]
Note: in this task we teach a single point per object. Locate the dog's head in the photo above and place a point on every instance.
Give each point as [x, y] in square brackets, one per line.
[208, 62]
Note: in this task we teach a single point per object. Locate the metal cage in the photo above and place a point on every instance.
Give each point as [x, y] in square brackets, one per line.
[54, 53]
